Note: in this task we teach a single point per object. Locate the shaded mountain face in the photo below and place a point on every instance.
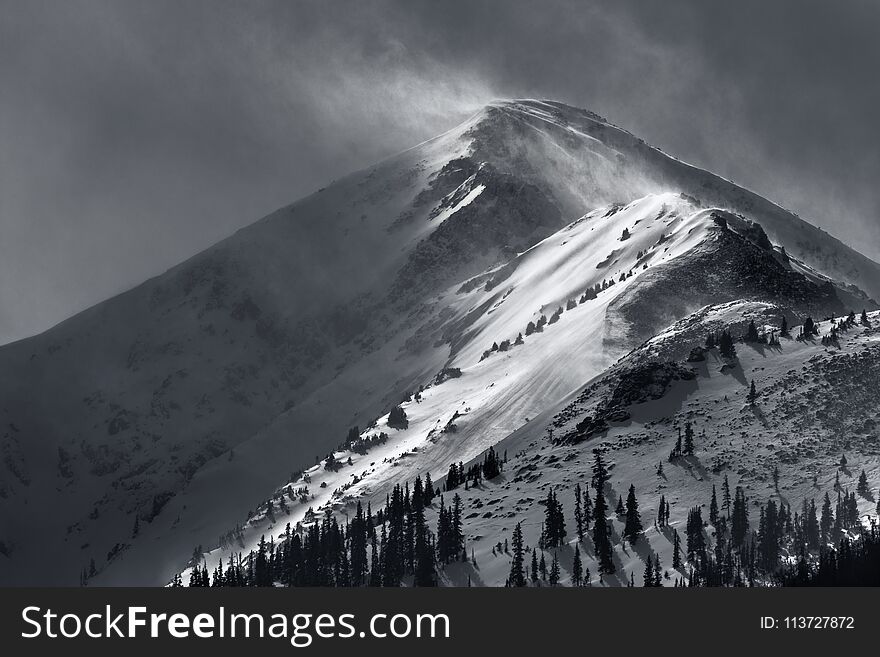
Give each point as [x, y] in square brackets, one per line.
[177, 405]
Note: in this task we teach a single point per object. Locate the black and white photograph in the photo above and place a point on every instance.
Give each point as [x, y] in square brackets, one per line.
[406, 294]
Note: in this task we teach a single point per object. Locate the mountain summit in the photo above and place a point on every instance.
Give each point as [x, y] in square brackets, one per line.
[474, 282]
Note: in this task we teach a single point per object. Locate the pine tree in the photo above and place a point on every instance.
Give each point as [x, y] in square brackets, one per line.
[587, 510]
[554, 522]
[601, 540]
[633, 525]
[783, 331]
[648, 575]
[601, 530]
[577, 569]
[600, 472]
[812, 530]
[751, 332]
[713, 509]
[517, 574]
[662, 519]
[534, 566]
[752, 394]
[696, 543]
[397, 418]
[827, 521]
[620, 510]
[554, 570]
[725, 495]
[677, 450]
[429, 489]
[578, 512]
[688, 439]
[725, 345]
[424, 574]
[676, 550]
[864, 319]
[739, 526]
[862, 487]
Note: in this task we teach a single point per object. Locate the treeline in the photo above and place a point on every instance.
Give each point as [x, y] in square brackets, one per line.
[381, 549]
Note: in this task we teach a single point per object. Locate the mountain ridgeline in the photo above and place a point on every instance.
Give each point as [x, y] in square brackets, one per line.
[529, 256]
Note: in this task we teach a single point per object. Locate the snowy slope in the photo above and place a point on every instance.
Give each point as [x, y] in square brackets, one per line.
[815, 403]
[185, 400]
[496, 394]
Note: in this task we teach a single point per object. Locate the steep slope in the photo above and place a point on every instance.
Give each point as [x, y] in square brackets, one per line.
[487, 392]
[815, 403]
[176, 404]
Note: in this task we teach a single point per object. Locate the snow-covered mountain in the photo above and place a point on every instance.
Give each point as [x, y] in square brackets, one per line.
[155, 422]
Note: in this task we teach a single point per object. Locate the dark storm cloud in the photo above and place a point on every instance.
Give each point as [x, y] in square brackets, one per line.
[133, 134]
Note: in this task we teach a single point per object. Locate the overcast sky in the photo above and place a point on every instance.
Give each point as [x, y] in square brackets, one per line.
[134, 134]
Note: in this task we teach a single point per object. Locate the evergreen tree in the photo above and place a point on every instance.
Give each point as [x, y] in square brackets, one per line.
[587, 510]
[812, 531]
[739, 527]
[397, 418]
[600, 471]
[677, 450]
[633, 525]
[696, 543]
[676, 550]
[375, 564]
[554, 570]
[725, 345]
[752, 395]
[827, 521]
[554, 522]
[725, 495]
[601, 539]
[262, 576]
[517, 573]
[713, 509]
[688, 439]
[862, 487]
[357, 536]
[809, 327]
[424, 574]
[429, 489]
[578, 512]
[648, 575]
[751, 332]
[577, 571]
[534, 566]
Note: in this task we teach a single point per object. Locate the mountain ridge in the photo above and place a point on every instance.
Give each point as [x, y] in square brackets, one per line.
[237, 364]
